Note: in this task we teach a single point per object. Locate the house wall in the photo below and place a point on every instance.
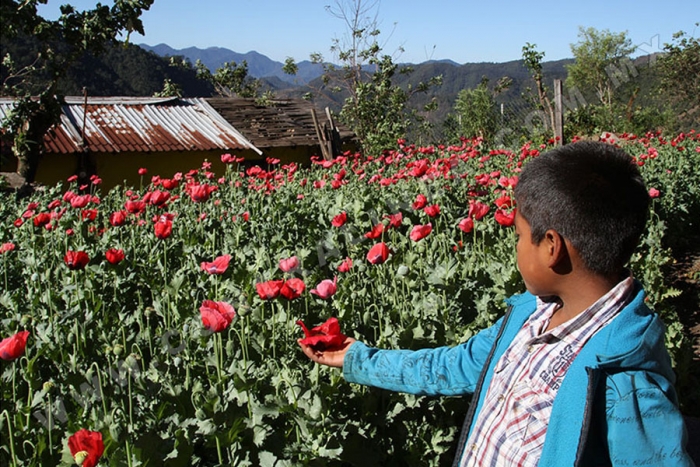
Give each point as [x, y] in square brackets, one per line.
[116, 169]
[53, 168]
[119, 168]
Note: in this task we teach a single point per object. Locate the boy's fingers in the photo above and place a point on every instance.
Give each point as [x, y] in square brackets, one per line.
[309, 352]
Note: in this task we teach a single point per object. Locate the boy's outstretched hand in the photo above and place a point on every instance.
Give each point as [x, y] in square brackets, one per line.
[325, 344]
[331, 357]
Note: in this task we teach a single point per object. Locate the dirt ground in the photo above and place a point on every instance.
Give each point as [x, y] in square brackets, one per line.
[686, 277]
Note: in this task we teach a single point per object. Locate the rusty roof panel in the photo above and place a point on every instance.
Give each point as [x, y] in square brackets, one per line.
[120, 124]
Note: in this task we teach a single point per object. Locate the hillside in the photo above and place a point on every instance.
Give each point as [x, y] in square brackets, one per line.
[123, 70]
[259, 66]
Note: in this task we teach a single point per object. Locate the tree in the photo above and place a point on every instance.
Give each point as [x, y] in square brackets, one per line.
[680, 76]
[476, 112]
[532, 59]
[230, 79]
[376, 109]
[61, 43]
[601, 63]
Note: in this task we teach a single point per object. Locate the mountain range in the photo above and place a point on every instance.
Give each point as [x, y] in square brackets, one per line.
[455, 76]
[259, 65]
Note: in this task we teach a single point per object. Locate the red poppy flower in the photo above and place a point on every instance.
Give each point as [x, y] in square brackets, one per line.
[5, 247]
[419, 232]
[289, 264]
[41, 219]
[326, 288]
[135, 207]
[143, 171]
[505, 218]
[216, 316]
[419, 167]
[200, 192]
[163, 229]
[114, 256]
[86, 447]
[156, 198]
[420, 202]
[117, 218]
[227, 158]
[169, 183]
[88, 214]
[654, 193]
[466, 225]
[218, 266]
[432, 210]
[477, 210]
[292, 288]
[504, 202]
[80, 201]
[268, 290]
[76, 259]
[13, 347]
[324, 337]
[376, 231]
[394, 220]
[345, 265]
[378, 254]
[340, 219]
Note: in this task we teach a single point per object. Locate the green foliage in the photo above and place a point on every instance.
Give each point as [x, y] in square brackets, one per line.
[376, 108]
[680, 77]
[475, 114]
[121, 348]
[599, 57]
[170, 89]
[532, 60]
[290, 67]
[230, 79]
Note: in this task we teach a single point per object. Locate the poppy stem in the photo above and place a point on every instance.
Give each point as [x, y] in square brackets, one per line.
[218, 449]
[12, 441]
[4, 269]
[50, 426]
[218, 353]
[128, 453]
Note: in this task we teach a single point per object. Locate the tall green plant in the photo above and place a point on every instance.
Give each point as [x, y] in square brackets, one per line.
[375, 108]
[680, 68]
[600, 56]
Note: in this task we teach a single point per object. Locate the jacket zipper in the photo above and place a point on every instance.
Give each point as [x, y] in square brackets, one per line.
[475, 396]
[587, 413]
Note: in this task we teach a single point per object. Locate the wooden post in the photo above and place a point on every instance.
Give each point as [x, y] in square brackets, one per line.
[320, 136]
[334, 136]
[558, 113]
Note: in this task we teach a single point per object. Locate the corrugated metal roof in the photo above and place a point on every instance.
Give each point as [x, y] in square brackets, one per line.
[121, 124]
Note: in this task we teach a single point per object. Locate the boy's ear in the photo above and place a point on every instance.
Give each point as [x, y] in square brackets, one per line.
[557, 251]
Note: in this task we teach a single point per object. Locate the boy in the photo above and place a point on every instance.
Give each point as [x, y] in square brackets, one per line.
[576, 372]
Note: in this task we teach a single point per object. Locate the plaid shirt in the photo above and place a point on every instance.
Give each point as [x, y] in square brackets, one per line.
[512, 424]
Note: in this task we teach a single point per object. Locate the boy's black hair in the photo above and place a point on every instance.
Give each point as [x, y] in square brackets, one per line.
[593, 195]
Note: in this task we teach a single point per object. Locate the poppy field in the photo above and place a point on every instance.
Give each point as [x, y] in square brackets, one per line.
[158, 324]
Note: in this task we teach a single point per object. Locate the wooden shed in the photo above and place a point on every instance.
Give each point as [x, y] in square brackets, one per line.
[113, 137]
[291, 130]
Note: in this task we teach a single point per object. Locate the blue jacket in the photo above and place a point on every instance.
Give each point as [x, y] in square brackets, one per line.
[616, 404]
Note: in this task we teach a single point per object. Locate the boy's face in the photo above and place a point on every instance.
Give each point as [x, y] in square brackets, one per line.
[532, 259]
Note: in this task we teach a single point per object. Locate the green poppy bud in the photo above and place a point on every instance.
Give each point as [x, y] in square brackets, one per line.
[80, 457]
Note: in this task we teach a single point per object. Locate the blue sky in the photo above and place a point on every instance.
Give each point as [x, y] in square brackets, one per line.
[460, 30]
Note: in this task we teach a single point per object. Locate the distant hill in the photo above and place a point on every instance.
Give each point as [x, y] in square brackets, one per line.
[259, 66]
[309, 76]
